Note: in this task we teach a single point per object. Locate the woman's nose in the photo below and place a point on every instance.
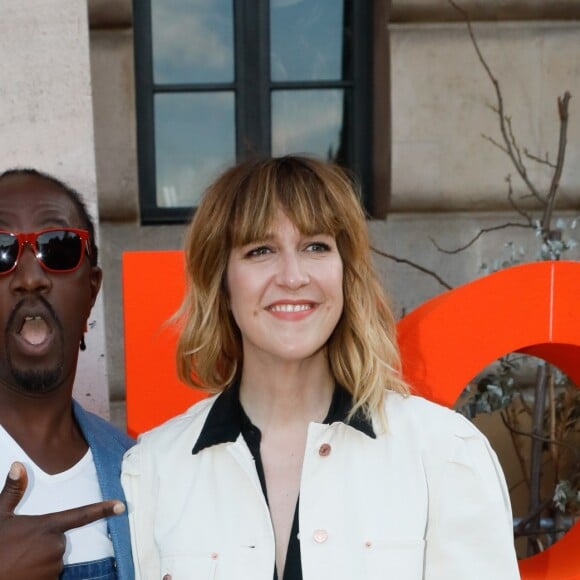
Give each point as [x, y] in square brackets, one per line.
[292, 272]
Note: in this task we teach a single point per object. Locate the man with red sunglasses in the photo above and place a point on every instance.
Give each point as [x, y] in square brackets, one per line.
[61, 509]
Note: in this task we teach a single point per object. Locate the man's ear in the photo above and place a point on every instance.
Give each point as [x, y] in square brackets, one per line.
[96, 277]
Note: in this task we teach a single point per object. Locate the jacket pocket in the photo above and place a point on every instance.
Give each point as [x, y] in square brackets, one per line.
[185, 567]
[398, 559]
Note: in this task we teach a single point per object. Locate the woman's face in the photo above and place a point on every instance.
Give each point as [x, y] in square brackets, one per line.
[285, 293]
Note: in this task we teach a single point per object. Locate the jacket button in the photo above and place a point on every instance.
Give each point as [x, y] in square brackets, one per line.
[214, 555]
[368, 544]
[324, 450]
[320, 536]
[167, 577]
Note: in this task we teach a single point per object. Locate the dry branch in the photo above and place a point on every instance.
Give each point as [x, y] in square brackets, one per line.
[504, 121]
[413, 265]
[478, 235]
[563, 113]
[510, 147]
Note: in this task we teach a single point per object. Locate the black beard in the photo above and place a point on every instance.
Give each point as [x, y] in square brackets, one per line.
[36, 382]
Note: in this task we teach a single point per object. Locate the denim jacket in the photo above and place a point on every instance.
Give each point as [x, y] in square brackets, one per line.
[108, 445]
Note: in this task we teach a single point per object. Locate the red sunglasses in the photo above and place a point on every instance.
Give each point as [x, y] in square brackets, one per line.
[57, 250]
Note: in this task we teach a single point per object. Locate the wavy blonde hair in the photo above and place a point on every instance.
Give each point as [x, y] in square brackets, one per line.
[239, 208]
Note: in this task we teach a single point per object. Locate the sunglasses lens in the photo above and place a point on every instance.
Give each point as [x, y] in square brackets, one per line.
[8, 252]
[60, 250]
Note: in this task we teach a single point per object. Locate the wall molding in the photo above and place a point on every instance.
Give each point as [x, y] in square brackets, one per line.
[441, 11]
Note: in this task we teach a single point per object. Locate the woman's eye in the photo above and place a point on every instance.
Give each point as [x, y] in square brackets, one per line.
[318, 247]
[259, 251]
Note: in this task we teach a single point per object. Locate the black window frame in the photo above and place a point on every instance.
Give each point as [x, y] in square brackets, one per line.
[252, 85]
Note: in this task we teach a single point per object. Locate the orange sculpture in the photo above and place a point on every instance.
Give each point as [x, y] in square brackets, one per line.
[531, 309]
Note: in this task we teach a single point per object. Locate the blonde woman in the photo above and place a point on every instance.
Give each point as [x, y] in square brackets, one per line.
[312, 461]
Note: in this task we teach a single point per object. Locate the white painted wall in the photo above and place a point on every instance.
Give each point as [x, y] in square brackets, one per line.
[46, 122]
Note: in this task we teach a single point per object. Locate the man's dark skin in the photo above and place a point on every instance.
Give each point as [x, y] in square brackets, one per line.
[36, 381]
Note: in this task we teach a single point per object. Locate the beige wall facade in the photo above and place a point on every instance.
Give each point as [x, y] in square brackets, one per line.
[46, 122]
[441, 98]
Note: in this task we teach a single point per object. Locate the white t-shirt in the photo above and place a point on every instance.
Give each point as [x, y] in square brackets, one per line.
[46, 493]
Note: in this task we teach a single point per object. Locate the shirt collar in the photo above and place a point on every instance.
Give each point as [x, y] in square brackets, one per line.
[227, 418]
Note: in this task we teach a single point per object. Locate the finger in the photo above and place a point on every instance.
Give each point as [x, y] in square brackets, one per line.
[77, 517]
[14, 488]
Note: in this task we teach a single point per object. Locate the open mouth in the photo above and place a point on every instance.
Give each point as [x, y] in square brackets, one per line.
[34, 330]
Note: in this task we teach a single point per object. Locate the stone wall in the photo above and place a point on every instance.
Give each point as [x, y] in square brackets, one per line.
[441, 98]
[46, 122]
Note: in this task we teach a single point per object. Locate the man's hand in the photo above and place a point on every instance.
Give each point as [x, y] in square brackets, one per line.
[33, 546]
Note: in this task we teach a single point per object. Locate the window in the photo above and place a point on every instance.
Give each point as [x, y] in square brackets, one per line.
[219, 80]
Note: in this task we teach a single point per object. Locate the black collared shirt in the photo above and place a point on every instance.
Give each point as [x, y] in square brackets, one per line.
[227, 420]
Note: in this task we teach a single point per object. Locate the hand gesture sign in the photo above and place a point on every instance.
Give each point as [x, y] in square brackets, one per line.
[33, 546]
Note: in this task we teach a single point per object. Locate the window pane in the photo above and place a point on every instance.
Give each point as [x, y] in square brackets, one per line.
[194, 140]
[310, 121]
[193, 41]
[307, 38]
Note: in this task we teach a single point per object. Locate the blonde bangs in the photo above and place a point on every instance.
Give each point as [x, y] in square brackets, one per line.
[294, 189]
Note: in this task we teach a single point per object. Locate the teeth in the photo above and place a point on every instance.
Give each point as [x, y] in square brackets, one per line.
[27, 318]
[290, 307]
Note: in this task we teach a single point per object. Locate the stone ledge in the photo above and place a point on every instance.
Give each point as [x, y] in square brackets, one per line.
[110, 14]
[441, 11]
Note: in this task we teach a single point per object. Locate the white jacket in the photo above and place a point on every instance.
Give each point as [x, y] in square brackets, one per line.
[424, 500]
